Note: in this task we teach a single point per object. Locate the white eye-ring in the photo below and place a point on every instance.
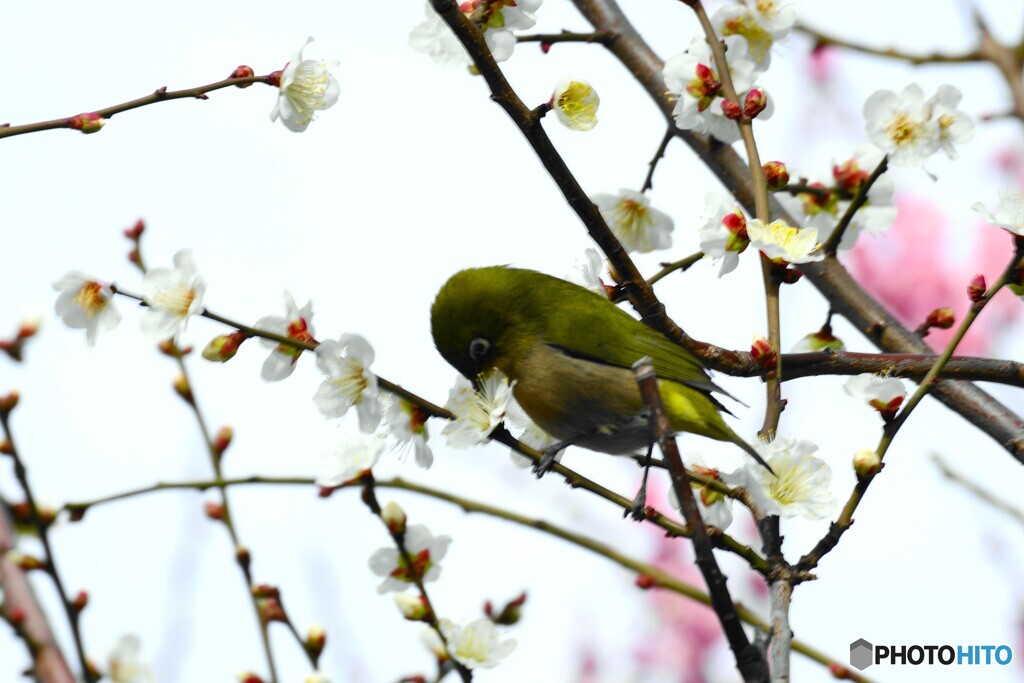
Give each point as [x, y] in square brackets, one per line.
[478, 348]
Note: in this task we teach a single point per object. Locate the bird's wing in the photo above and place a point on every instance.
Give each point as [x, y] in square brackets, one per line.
[600, 331]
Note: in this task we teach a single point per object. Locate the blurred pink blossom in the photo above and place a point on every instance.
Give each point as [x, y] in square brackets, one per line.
[911, 272]
[821, 64]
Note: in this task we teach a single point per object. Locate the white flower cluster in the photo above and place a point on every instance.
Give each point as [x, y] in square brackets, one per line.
[910, 128]
[497, 19]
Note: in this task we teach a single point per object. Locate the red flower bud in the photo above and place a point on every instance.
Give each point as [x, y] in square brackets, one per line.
[274, 79]
[87, 123]
[755, 102]
[213, 510]
[242, 71]
[792, 275]
[222, 439]
[645, 581]
[777, 175]
[545, 47]
[182, 388]
[763, 353]
[941, 318]
[839, 671]
[7, 404]
[135, 232]
[731, 109]
[80, 601]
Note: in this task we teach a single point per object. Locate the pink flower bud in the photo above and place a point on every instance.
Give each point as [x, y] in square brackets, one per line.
[755, 102]
[213, 510]
[941, 318]
[976, 290]
[135, 232]
[87, 123]
[645, 581]
[777, 175]
[731, 109]
[80, 601]
[223, 348]
[545, 47]
[222, 439]
[849, 176]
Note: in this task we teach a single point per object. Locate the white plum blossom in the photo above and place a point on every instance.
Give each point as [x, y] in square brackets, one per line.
[1009, 213]
[173, 296]
[761, 23]
[715, 507]
[575, 102]
[317, 677]
[497, 19]
[799, 487]
[588, 271]
[640, 227]
[779, 241]
[819, 341]
[884, 394]
[723, 237]
[124, 665]
[692, 78]
[86, 303]
[529, 434]
[478, 644]
[346, 362]
[954, 125]
[306, 86]
[910, 129]
[296, 324]
[477, 413]
[350, 460]
[426, 551]
[407, 423]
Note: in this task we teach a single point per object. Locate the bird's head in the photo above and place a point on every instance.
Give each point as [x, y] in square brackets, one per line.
[477, 320]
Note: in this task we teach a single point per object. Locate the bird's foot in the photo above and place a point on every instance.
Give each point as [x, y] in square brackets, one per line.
[637, 510]
[547, 461]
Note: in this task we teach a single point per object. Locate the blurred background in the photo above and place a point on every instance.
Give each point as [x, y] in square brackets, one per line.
[414, 175]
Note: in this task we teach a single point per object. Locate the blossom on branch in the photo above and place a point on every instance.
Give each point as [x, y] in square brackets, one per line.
[350, 461]
[407, 422]
[799, 485]
[478, 644]
[588, 272]
[692, 78]
[85, 303]
[761, 23]
[783, 243]
[124, 665]
[477, 413]
[349, 382]
[723, 237]
[884, 394]
[306, 86]
[425, 550]
[715, 507]
[173, 296]
[496, 19]
[910, 129]
[295, 325]
[576, 102]
[640, 227]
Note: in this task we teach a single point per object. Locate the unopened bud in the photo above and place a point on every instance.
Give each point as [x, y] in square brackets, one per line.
[80, 601]
[224, 347]
[271, 610]
[94, 671]
[242, 71]
[6, 447]
[839, 671]
[414, 679]
[17, 615]
[412, 607]
[182, 388]
[394, 517]
[274, 79]
[169, 348]
[819, 341]
[755, 102]
[731, 109]
[545, 47]
[763, 353]
[133, 257]
[316, 639]
[135, 232]
[26, 563]
[510, 613]
[9, 402]
[866, 463]
[248, 677]
[242, 557]
[942, 318]
[28, 328]
[76, 514]
[777, 175]
[265, 590]
[976, 290]
[222, 439]
[87, 123]
[645, 581]
[213, 510]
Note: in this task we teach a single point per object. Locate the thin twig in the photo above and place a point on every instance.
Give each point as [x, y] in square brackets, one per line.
[159, 95]
[682, 265]
[859, 200]
[979, 491]
[601, 37]
[658, 155]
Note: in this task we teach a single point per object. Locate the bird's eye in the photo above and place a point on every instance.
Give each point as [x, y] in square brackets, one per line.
[478, 348]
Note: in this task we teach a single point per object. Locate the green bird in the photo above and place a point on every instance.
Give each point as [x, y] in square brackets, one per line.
[569, 351]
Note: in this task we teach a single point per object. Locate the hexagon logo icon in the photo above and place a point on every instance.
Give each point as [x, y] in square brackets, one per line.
[861, 654]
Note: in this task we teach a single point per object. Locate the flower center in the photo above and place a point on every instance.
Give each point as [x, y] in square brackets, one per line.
[903, 130]
[306, 91]
[176, 301]
[577, 103]
[90, 298]
[352, 382]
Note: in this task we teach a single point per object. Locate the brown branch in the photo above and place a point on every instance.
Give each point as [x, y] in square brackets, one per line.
[658, 156]
[682, 265]
[832, 280]
[601, 37]
[825, 40]
[749, 660]
[159, 95]
[979, 491]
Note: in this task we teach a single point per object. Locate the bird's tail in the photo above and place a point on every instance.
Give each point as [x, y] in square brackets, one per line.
[738, 440]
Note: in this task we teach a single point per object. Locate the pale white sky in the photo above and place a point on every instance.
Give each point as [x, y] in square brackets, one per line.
[414, 175]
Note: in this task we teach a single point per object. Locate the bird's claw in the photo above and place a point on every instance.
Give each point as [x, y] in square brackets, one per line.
[546, 462]
[638, 508]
